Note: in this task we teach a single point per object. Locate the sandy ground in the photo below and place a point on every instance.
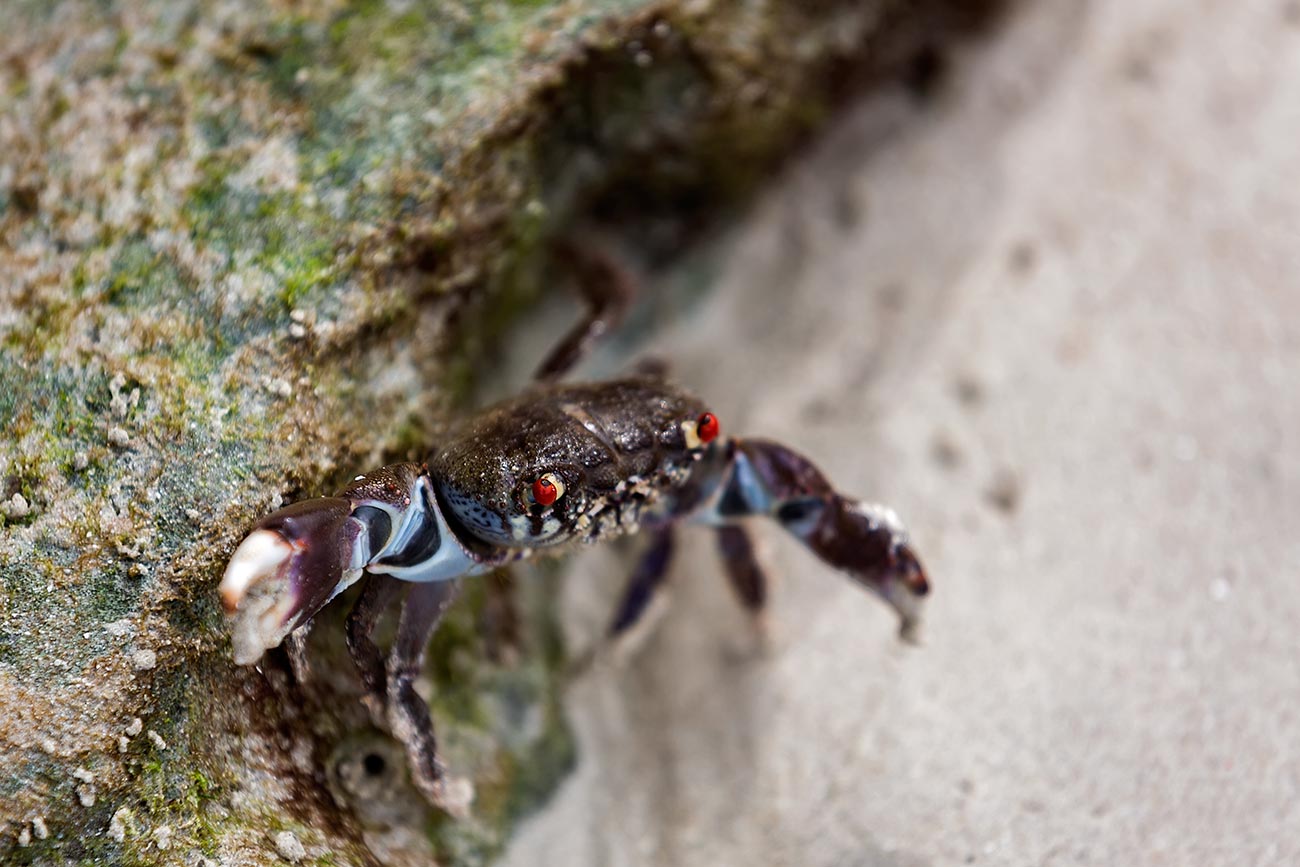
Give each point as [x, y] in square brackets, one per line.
[1054, 320]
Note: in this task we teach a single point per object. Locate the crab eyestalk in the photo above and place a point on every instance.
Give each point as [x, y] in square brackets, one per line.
[867, 541]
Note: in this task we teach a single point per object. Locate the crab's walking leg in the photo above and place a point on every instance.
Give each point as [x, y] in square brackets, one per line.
[295, 648]
[408, 715]
[744, 572]
[608, 289]
[644, 585]
[747, 477]
[377, 593]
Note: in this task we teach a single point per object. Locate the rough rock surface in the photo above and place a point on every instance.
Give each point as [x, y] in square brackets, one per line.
[233, 235]
[1053, 318]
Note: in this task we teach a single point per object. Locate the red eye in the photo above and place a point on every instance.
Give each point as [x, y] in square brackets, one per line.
[545, 491]
[707, 427]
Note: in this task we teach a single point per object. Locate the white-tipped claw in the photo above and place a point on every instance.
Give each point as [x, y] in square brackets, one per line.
[908, 605]
[257, 557]
[256, 595]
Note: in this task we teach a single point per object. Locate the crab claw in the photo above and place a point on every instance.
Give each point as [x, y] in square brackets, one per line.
[294, 562]
[867, 541]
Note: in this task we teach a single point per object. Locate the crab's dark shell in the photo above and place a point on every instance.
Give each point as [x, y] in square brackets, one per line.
[617, 447]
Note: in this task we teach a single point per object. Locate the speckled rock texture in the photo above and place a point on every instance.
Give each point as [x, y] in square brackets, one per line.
[247, 248]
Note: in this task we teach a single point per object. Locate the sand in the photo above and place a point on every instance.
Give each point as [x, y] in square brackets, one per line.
[1051, 315]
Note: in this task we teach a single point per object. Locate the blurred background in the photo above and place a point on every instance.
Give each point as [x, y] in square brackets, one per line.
[1050, 313]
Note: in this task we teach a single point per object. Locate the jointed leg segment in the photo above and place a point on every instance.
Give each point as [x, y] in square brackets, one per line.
[408, 714]
[744, 572]
[608, 289]
[376, 594]
[645, 584]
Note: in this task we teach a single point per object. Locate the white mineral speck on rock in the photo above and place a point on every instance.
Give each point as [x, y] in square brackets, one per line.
[279, 387]
[86, 794]
[118, 437]
[120, 628]
[84, 775]
[271, 167]
[143, 660]
[80, 461]
[162, 837]
[17, 507]
[118, 403]
[301, 753]
[122, 404]
[135, 726]
[24, 838]
[117, 825]
[157, 740]
[40, 829]
[287, 845]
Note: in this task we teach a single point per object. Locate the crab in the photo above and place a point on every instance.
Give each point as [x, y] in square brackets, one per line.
[560, 464]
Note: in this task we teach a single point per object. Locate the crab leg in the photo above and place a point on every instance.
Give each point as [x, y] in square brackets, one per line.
[408, 714]
[608, 289]
[299, 558]
[744, 572]
[376, 594]
[644, 585]
[747, 477]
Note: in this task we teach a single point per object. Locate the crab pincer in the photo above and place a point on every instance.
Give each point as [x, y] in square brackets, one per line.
[293, 562]
[867, 541]
[299, 558]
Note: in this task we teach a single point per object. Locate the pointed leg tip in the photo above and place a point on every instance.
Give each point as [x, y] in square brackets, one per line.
[456, 797]
[909, 631]
[907, 598]
[453, 795]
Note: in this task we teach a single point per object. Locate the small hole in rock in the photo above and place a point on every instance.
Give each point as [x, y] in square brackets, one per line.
[374, 764]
